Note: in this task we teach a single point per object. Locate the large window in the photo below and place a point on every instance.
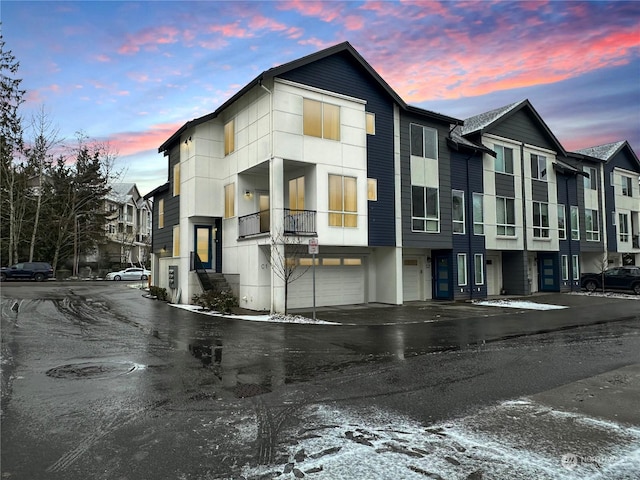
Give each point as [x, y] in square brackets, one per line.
[462, 269]
[575, 223]
[343, 204]
[575, 265]
[458, 211]
[539, 167]
[176, 241]
[229, 200]
[296, 194]
[372, 189]
[540, 220]
[229, 137]
[424, 141]
[562, 223]
[506, 216]
[478, 266]
[590, 182]
[565, 267]
[161, 213]
[623, 227]
[478, 214]
[627, 186]
[370, 120]
[424, 209]
[592, 225]
[176, 179]
[504, 159]
[321, 119]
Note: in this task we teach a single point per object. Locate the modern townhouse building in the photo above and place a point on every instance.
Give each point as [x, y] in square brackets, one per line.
[128, 228]
[405, 204]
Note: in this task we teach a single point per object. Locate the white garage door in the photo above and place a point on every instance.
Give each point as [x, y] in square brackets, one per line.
[410, 279]
[339, 281]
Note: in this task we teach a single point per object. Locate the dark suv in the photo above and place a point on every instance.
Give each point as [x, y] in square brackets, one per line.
[37, 271]
[617, 278]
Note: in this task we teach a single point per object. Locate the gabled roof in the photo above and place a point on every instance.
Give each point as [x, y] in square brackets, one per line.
[484, 121]
[123, 192]
[458, 142]
[286, 67]
[162, 188]
[608, 151]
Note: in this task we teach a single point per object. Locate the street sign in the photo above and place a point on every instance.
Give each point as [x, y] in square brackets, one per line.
[314, 249]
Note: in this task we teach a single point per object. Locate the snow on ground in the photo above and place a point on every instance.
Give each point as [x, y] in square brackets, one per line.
[497, 442]
[625, 296]
[518, 304]
[275, 318]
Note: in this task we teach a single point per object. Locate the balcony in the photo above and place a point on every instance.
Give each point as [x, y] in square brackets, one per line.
[296, 222]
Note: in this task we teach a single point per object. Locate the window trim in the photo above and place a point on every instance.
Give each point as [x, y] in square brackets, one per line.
[543, 177]
[623, 236]
[161, 213]
[478, 261]
[424, 129]
[562, 231]
[464, 282]
[372, 189]
[593, 234]
[477, 223]
[590, 182]
[626, 190]
[540, 229]
[325, 120]
[506, 226]
[370, 123]
[564, 265]
[575, 266]
[576, 230]
[176, 241]
[427, 219]
[461, 222]
[176, 179]
[229, 200]
[229, 137]
[502, 148]
[343, 214]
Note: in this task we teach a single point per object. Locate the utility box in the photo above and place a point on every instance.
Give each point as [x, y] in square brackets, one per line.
[173, 276]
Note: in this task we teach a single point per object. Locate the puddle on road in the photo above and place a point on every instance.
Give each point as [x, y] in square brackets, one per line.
[93, 370]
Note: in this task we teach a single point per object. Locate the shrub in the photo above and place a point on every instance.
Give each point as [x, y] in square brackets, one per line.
[158, 292]
[221, 302]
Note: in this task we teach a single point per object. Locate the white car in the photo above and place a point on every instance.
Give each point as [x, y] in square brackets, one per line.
[133, 273]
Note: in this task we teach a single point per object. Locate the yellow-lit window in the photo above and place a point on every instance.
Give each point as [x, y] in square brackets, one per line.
[290, 262]
[161, 213]
[307, 262]
[343, 201]
[176, 179]
[321, 119]
[229, 200]
[176, 241]
[371, 123]
[352, 261]
[296, 194]
[229, 137]
[331, 261]
[372, 189]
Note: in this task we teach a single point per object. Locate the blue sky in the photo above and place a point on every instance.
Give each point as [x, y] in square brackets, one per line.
[131, 73]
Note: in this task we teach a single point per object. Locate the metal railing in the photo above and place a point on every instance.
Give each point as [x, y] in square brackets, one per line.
[296, 222]
[201, 272]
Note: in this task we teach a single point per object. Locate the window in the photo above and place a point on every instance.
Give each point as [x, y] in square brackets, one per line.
[565, 267]
[352, 262]
[176, 179]
[506, 216]
[627, 188]
[296, 194]
[591, 225]
[562, 223]
[424, 141]
[342, 201]
[504, 159]
[623, 227]
[321, 119]
[305, 262]
[424, 209]
[370, 123]
[229, 137]
[372, 189]
[590, 182]
[539, 167]
[229, 200]
[458, 211]
[330, 261]
[462, 269]
[478, 266]
[575, 265]
[161, 213]
[478, 214]
[176, 241]
[540, 220]
[575, 223]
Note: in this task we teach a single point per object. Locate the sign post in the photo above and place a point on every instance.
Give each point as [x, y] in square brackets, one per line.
[313, 250]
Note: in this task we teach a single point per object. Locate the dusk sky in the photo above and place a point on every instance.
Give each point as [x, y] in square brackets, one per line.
[132, 73]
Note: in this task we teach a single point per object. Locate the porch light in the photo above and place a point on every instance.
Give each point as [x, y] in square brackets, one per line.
[248, 194]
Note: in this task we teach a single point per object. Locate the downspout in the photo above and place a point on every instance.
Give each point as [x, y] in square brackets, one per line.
[524, 215]
[568, 234]
[605, 253]
[470, 230]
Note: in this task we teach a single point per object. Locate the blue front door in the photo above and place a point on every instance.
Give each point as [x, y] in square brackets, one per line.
[549, 272]
[442, 278]
[203, 243]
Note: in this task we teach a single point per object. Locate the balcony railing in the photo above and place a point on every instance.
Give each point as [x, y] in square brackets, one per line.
[296, 222]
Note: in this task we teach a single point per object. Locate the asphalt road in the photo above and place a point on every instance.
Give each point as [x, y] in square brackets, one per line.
[99, 382]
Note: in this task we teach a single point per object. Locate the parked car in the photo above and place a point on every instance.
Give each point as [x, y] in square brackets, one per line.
[132, 273]
[37, 271]
[617, 278]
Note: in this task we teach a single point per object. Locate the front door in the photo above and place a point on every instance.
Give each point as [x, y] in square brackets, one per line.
[203, 244]
[442, 278]
[548, 272]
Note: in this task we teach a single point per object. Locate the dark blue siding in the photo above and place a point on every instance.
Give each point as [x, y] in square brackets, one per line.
[567, 196]
[341, 74]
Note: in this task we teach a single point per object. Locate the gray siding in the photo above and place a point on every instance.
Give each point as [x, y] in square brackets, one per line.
[524, 127]
[505, 185]
[539, 191]
[515, 277]
[163, 237]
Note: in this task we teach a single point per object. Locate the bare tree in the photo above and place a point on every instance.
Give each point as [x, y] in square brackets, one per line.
[285, 261]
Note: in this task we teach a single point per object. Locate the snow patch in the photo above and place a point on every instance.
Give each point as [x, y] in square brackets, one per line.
[275, 318]
[518, 304]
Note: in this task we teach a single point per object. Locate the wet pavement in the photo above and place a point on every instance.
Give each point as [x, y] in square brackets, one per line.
[99, 382]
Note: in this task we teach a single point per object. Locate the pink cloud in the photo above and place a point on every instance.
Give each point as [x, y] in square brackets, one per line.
[353, 22]
[325, 11]
[231, 30]
[149, 38]
[103, 58]
[131, 143]
[260, 22]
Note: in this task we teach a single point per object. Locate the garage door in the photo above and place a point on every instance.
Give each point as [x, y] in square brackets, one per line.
[410, 280]
[339, 281]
